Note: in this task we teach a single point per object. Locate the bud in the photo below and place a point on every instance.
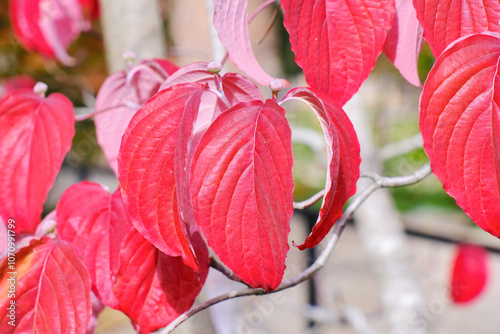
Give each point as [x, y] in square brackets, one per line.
[214, 67]
[40, 88]
[276, 86]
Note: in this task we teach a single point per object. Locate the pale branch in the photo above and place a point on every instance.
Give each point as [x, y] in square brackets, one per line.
[310, 201]
[224, 270]
[400, 181]
[303, 276]
[338, 228]
[404, 146]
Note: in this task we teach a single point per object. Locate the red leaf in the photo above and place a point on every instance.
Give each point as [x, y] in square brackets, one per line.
[470, 273]
[231, 22]
[153, 288]
[90, 8]
[241, 190]
[52, 292]
[336, 43]
[446, 21]
[343, 156]
[404, 41]
[95, 222]
[16, 82]
[119, 98]
[36, 135]
[47, 26]
[459, 124]
[147, 173]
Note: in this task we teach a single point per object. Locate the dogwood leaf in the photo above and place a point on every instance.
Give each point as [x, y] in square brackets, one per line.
[459, 121]
[336, 43]
[446, 21]
[241, 190]
[36, 135]
[153, 288]
[343, 156]
[95, 222]
[52, 290]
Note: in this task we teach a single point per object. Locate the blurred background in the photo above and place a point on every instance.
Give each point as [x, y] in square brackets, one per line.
[392, 269]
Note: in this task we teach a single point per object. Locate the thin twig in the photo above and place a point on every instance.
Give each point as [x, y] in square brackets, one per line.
[310, 201]
[306, 274]
[320, 262]
[260, 9]
[269, 27]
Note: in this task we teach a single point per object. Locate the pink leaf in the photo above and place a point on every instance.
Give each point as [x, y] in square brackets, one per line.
[146, 169]
[404, 41]
[241, 190]
[459, 121]
[47, 26]
[445, 21]
[36, 135]
[52, 292]
[119, 98]
[343, 156]
[153, 288]
[231, 22]
[336, 43]
[95, 222]
[470, 273]
[234, 88]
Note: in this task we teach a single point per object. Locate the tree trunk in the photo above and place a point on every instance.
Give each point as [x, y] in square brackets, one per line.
[131, 25]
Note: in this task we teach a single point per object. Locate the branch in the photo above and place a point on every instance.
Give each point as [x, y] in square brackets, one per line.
[379, 182]
[306, 274]
[399, 181]
[310, 201]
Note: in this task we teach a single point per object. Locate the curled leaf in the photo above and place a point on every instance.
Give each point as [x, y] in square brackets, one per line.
[343, 159]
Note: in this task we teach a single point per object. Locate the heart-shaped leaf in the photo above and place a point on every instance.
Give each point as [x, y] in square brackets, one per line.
[469, 274]
[241, 190]
[404, 41]
[146, 169]
[336, 43]
[343, 156]
[153, 288]
[52, 290]
[446, 21]
[459, 121]
[36, 135]
[119, 98]
[95, 223]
